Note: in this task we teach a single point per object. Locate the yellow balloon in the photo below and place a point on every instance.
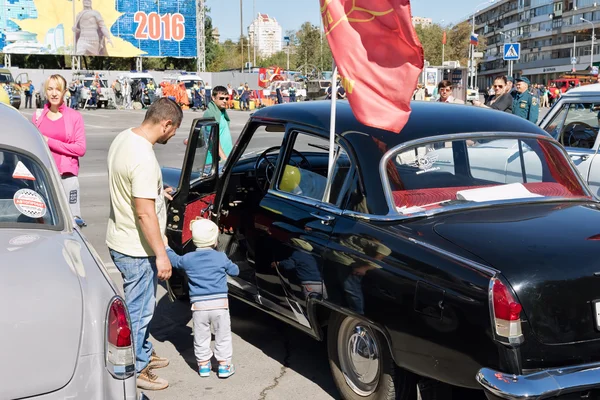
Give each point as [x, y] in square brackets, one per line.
[290, 179]
[4, 97]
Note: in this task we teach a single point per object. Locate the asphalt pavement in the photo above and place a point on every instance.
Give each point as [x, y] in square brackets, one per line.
[273, 360]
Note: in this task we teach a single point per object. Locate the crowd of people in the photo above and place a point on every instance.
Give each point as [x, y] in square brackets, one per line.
[516, 96]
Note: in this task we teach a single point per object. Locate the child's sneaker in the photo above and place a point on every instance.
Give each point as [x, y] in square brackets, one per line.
[226, 370]
[204, 370]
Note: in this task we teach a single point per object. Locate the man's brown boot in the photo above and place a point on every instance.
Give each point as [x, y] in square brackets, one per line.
[148, 380]
[157, 362]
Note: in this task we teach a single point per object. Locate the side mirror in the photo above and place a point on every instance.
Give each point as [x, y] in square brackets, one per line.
[80, 222]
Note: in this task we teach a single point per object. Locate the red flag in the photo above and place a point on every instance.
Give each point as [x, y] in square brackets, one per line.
[379, 57]
[444, 38]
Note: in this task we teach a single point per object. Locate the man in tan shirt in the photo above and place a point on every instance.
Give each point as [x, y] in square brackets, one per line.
[137, 224]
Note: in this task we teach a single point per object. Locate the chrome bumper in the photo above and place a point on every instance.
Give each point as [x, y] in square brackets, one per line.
[540, 385]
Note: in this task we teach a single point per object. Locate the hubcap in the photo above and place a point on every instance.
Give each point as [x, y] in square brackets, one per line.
[358, 353]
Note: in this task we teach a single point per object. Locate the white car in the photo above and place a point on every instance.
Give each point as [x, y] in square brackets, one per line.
[65, 329]
[189, 80]
[573, 121]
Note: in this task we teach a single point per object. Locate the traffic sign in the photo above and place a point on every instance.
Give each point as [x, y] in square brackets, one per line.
[287, 40]
[574, 60]
[512, 51]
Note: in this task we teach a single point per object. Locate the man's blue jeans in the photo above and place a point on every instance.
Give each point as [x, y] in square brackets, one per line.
[139, 284]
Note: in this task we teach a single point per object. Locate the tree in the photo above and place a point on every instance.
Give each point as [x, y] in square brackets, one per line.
[313, 49]
[457, 43]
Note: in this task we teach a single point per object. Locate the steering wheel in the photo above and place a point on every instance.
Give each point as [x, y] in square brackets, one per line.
[580, 133]
[270, 169]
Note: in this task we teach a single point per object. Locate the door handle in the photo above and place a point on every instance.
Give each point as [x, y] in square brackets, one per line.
[582, 157]
[325, 219]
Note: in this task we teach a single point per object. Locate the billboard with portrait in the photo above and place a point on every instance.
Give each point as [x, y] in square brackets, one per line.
[114, 28]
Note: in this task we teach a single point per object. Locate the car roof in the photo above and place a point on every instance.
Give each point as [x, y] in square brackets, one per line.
[20, 133]
[427, 119]
[586, 90]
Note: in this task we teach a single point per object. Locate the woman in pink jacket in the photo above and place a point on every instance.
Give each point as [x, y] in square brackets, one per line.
[63, 130]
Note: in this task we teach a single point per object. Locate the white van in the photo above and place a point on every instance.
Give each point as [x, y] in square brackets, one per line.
[188, 79]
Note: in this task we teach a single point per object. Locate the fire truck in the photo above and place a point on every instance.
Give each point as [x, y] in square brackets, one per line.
[566, 81]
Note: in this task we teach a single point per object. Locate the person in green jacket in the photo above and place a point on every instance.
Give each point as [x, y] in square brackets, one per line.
[525, 105]
[217, 109]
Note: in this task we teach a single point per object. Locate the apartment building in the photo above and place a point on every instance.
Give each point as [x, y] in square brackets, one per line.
[551, 33]
[265, 35]
[422, 21]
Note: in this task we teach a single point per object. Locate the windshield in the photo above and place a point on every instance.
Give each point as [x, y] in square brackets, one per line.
[190, 84]
[466, 172]
[4, 78]
[25, 193]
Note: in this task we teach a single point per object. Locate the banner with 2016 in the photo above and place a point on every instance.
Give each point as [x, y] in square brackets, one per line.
[114, 28]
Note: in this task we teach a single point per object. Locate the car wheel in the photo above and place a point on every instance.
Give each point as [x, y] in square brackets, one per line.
[361, 363]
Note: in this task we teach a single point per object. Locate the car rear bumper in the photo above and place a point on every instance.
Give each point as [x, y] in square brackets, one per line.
[539, 385]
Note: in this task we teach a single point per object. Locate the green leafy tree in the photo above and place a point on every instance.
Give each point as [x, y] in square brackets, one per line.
[457, 43]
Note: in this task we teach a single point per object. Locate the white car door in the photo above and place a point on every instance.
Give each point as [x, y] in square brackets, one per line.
[575, 126]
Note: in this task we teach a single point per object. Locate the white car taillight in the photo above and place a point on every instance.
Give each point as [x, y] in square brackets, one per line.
[120, 357]
[506, 313]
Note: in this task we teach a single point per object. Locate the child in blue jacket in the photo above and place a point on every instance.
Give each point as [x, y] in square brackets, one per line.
[207, 271]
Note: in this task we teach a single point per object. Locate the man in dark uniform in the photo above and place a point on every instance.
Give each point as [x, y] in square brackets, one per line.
[525, 105]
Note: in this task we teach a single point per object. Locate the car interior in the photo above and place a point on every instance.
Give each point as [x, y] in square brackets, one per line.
[415, 186]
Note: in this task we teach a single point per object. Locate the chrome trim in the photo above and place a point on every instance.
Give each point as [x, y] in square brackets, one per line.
[540, 385]
[306, 200]
[387, 190]
[492, 272]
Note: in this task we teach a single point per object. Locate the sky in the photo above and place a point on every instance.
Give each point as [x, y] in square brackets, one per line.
[292, 13]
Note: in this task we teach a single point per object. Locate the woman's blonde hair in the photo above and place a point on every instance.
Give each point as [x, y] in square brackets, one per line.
[60, 81]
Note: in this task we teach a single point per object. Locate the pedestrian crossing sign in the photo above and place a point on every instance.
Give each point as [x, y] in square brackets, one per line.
[512, 51]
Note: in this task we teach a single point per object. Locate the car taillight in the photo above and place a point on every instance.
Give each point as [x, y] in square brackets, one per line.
[120, 357]
[506, 311]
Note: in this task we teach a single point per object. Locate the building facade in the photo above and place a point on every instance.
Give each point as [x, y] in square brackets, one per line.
[421, 21]
[554, 39]
[265, 35]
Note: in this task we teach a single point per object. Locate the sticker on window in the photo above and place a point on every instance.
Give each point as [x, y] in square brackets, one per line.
[21, 172]
[30, 203]
[425, 163]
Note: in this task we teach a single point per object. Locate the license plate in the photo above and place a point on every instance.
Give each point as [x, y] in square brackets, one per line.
[596, 304]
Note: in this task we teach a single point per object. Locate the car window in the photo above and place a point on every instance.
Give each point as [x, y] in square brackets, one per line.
[25, 192]
[555, 126]
[469, 171]
[580, 127]
[306, 167]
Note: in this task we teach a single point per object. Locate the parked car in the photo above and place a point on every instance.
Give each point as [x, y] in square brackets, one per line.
[105, 93]
[188, 79]
[65, 328]
[12, 89]
[573, 121]
[460, 270]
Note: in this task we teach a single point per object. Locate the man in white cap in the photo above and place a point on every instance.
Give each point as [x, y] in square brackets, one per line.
[207, 270]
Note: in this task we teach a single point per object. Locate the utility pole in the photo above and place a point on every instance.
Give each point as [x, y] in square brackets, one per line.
[242, 35]
[201, 37]
[254, 33]
[592, 50]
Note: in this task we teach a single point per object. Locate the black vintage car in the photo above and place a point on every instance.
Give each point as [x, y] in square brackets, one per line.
[463, 250]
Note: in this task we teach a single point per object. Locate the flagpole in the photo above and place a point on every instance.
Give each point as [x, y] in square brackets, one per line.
[332, 121]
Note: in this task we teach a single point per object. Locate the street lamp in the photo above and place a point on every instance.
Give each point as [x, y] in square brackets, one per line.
[472, 47]
[593, 35]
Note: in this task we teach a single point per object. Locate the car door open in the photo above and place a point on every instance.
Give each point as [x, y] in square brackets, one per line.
[195, 192]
